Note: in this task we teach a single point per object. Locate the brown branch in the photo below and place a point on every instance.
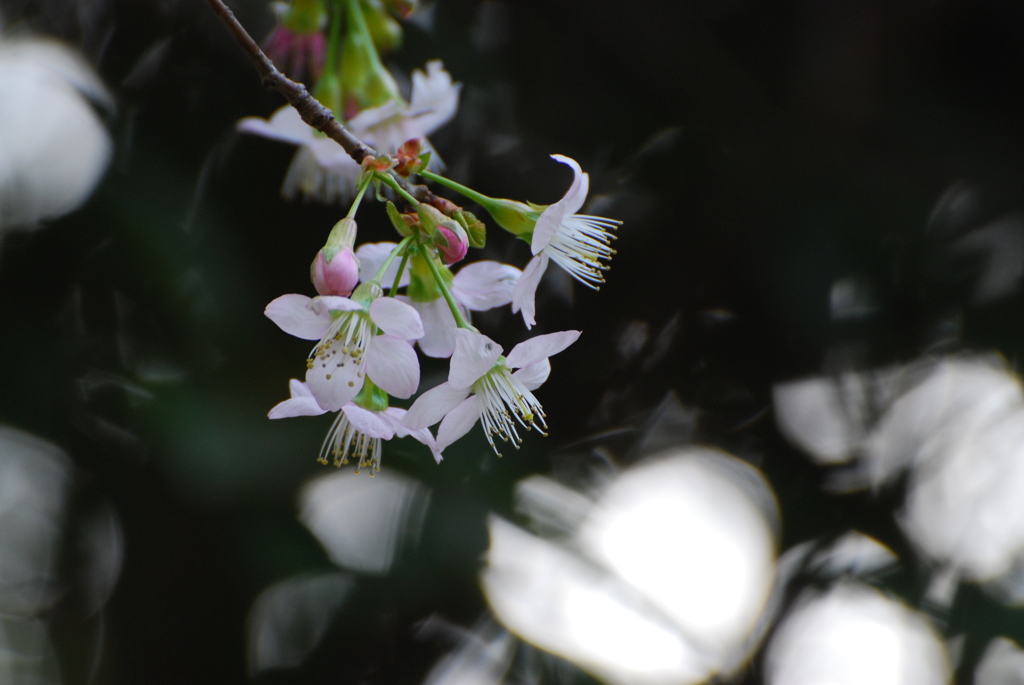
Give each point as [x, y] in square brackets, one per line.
[309, 108]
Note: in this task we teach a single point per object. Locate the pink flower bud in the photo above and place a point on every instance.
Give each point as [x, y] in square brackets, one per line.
[335, 277]
[456, 248]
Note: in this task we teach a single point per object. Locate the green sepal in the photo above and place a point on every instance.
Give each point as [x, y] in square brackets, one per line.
[371, 397]
[396, 219]
[475, 229]
[422, 286]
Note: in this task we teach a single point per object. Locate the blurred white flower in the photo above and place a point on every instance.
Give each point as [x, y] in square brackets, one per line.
[362, 522]
[852, 634]
[35, 479]
[663, 581]
[1001, 664]
[53, 146]
[321, 170]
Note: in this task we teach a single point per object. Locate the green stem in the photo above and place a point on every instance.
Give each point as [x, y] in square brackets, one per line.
[398, 276]
[359, 198]
[389, 180]
[460, 320]
[331, 61]
[391, 257]
[476, 197]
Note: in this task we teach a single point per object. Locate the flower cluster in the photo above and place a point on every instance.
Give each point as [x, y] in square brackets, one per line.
[376, 303]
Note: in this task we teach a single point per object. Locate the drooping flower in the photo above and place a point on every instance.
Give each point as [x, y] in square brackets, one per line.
[349, 346]
[476, 287]
[297, 44]
[579, 243]
[482, 387]
[321, 170]
[356, 433]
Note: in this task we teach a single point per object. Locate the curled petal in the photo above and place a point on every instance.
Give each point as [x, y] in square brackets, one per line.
[301, 403]
[371, 258]
[474, 356]
[433, 405]
[371, 423]
[458, 422]
[534, 375]
[395, 415]
[300, 316]
[526, 289]
[540, 347]
[396, 318]
[483, 285]
[551, 218]
[391, 363]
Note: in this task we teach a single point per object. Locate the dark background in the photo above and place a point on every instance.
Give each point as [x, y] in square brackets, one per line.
[756, 153]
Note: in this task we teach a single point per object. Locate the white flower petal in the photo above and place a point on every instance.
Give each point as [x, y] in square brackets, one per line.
[334, 386]
[474, 356]
[371, 258]
[433, 405]
[438, 328]
[296, 316]
[285, 125]
[333, 303]
[540, 347]
[534, 375]
[396, 318]
[483, 285]
[550, 220]
[370, 423]
[526, 289]
[391, 363]
[434, 98]
[458, 422]
[302, 403]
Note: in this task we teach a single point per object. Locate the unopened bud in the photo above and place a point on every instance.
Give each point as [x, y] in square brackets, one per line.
[450, 244]
[337, 276]
[411, 158]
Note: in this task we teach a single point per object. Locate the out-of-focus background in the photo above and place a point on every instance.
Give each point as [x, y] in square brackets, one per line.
[818, 272]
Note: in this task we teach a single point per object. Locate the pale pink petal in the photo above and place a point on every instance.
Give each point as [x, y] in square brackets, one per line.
[423, 434]
[526, 289]
[296, 315]
[483, 285]
[333, 303]
[396, 318]
[438, 328]
[433, 405]
[302, 403]
[458, 422]
[371, 258]
[540, 347]
[391, 363]
[534, 375]
[551, 218]
[474, 356]
[334, 386]
[370, 423]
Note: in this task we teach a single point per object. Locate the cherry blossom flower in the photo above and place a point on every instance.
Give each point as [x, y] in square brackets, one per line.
[349, 346]
[482, 387]
[578, 243]
[321, 170]
[476, 287]
[356, 433]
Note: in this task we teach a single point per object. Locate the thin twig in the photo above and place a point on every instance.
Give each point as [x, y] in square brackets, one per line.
[309, 108]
